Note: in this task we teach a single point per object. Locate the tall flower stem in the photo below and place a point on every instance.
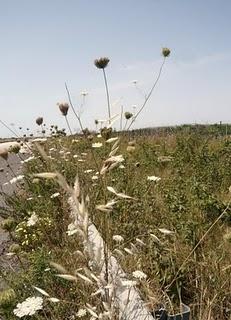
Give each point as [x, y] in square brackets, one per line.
[149, 94]
[68, 124]
[107, 93]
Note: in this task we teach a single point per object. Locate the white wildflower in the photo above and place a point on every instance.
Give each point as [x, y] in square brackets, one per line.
[71, 229]
[28, 159]
[97, 145]
[118, 238]
[55, 195]
[81, 313]
[16, 179]
[32, 220]
[28, 307]
[88, 171]
[128, 283]
[94, 178]
[139, 275]
[153, 178]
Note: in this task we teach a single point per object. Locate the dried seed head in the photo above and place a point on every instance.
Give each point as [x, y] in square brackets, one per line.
[106, 133]
[4, 154]
[101, 63]
[63, 107]
[166, 52]
[39, 121]
[15, 148]
[128, 115]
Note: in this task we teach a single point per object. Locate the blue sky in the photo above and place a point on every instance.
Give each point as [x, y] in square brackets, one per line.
[45, 43]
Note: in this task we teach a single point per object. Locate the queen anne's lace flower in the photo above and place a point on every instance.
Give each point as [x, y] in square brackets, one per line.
[81, 313]
[118, 238]
[28, 307]
[139, 275]
[153, 178]
[97, 145]
[32, 220]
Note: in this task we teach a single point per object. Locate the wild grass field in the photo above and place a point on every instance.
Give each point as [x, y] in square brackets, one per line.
[161, 202]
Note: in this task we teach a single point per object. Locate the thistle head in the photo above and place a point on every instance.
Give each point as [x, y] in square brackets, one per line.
[101, 63]
[166, 52]
[63, 107]
[39, 121]
[128, 115]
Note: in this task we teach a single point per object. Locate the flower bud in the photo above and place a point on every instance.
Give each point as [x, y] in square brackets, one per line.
[166, 52]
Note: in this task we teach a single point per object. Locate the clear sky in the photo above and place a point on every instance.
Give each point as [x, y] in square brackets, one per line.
[45, 43]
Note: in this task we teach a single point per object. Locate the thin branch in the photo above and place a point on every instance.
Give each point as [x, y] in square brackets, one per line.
[149, 95]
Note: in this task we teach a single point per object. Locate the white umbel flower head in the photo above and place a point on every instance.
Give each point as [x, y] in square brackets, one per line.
[81, 313]
[97, 145]
[153, 178]
[16, 179]
[118, 238]
[32, 220]
[139, 275]
[28, 307]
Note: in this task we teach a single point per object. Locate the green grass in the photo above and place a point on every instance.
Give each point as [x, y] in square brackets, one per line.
[195, 172]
